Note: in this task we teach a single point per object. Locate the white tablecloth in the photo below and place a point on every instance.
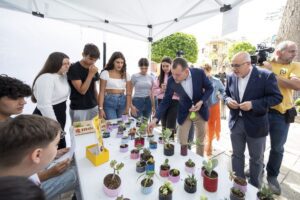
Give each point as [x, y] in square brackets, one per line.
[91, 177]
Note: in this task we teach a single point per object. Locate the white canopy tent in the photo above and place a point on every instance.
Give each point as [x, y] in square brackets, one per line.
[146, 20]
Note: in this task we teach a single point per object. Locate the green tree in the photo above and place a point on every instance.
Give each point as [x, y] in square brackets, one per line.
[240, 46]
[168, 46]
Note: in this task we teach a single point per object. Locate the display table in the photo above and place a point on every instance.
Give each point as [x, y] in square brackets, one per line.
[91, 177]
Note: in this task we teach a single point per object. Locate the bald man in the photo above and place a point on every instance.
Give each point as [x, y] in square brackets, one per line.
[250, 92]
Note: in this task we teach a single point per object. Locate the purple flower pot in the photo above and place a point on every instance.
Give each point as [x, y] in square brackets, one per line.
[172, 178]
[190, 170]
[124, 148]
[134, 155]
[243, 188]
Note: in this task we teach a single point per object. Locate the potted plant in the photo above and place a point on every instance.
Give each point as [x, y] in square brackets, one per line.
[147, 183]
[134, 154]
[123, 148]
[238, 182]
[125, 139]
[174, 175]
[165, 191]
[203, 197]
[184, 149]
[112, 182]
[140, 166]
[143, 128]
[190, 184]
[160, 140]
[122, 198]
[190, 166]
[150, 165]
[236, 194]
[132, 133]
[210, 177]
[152, 144]
[168, 147]
[146, 155]
[139, 140]
[106, 134]
[165, 169]
[265, 193]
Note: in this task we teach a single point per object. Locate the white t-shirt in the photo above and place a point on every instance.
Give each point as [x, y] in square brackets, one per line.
[114, 83]
[50, 89]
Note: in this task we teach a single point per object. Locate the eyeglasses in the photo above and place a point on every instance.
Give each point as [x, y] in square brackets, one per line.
[237, 65]
[62, 134]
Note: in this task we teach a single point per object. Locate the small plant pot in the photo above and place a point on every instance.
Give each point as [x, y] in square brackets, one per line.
[114, 125]
[160, 140]
[123, 148]
[153, 145]
[138, 124]
[125, 140]
[146, 189]
[169, 150]
[164, 171]
[236, 195]
[184, 150]
[140, 168]
[240, 183]
[165, 197]
[190, 170]
[190, 189]
[173, 178]
[150, 137]
[150, 168]
[210, 184]
[106, 134]
[112, 191]
[139, 142]
[134, 154]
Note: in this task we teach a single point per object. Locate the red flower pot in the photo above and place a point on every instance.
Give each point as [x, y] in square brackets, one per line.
[210, 183]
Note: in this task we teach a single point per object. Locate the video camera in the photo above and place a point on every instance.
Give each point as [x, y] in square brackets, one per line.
[261, 54]
[180, 53]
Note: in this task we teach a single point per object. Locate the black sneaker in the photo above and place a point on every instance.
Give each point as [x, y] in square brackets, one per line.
[274, 185]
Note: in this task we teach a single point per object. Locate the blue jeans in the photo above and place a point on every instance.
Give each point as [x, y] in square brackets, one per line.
[114, 105]
[58, 185]
[143, 104]
[278, 134]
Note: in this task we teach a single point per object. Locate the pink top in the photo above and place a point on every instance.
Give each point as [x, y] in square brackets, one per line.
[157, 91]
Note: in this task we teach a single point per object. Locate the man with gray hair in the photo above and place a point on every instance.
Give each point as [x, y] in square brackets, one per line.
[288, 77]
[250, 92]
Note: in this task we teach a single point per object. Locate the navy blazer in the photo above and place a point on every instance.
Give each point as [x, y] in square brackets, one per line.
[262, 90]
[202, 89]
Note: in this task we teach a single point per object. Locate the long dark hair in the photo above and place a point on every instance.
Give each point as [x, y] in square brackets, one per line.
[52, 65]
[110, 65]
[162, 73]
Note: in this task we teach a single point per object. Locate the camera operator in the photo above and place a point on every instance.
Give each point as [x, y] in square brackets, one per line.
[288, 77]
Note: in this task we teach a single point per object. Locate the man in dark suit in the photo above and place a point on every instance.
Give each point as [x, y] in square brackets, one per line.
[250, 92]
[194, 89]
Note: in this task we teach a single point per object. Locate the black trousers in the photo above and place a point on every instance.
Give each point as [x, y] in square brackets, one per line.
[60, 113]
[168, 120]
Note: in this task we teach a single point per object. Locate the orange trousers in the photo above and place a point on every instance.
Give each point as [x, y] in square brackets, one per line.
[214, 127]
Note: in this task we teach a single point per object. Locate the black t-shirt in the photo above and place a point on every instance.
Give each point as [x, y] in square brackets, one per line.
[79, 101]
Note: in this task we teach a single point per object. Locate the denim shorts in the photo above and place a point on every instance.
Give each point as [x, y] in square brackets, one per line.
[114, 105]
[143, 104]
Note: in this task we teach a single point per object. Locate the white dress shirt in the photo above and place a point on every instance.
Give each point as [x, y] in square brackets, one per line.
[187, 85]
[242, 84]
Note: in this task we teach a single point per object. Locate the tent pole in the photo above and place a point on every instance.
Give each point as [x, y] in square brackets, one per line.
[104, 49]
[150, 39]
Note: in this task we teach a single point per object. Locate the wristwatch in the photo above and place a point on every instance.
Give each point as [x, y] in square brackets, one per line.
[100, 108]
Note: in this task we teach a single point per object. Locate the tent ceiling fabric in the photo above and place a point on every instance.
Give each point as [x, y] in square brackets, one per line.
[130, 18]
